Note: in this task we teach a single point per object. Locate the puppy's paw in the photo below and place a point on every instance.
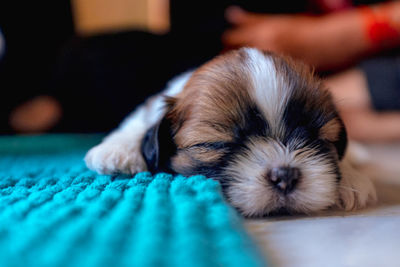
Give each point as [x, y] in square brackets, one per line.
[356, 190]
[114, 157]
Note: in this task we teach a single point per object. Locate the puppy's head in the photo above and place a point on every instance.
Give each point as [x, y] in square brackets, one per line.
[260, 124]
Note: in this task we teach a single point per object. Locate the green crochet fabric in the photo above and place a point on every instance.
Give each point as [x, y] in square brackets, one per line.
[55, 212]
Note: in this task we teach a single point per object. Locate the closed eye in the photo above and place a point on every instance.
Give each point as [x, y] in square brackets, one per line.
[213, 145]
[204, 154]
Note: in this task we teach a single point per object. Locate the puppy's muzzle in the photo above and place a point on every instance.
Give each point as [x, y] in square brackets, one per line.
[284, 179]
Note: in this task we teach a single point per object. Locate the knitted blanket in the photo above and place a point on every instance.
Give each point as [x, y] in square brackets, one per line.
[55, 212]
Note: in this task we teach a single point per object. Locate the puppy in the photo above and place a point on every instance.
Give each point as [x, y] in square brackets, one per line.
[262, 125]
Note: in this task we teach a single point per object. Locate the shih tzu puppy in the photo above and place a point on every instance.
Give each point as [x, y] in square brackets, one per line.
[262, 125]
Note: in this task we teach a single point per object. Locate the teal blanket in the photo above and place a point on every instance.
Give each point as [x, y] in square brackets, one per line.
[55, 212]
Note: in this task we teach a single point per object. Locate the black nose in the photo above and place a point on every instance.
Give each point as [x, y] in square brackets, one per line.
[284, 179]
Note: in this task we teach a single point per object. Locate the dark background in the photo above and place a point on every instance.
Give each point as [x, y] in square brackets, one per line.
[99, 79]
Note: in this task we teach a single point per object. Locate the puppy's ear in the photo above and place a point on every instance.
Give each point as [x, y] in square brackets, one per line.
[158, 146]
[334, 131]
[341, 143]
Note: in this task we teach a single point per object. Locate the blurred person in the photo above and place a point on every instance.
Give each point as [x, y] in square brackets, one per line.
[368, 95]
[329, 41]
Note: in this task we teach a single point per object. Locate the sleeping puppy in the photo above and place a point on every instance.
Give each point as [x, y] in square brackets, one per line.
[262, 125]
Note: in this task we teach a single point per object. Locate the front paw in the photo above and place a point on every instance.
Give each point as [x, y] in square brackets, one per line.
[356, 190]
[113, 158]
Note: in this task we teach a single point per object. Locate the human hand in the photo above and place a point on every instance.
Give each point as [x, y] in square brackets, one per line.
[288, 34]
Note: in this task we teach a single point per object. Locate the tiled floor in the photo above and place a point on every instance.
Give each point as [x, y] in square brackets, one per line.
[369, 237]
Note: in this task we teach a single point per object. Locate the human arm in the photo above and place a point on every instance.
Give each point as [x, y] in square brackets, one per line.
[326, 42]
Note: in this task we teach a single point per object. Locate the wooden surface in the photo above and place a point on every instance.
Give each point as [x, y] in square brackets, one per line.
[369, 237]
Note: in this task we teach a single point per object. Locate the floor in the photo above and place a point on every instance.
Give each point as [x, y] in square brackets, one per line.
[369, 237]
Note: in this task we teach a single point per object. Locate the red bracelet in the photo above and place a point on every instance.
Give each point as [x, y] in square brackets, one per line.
[380, 27]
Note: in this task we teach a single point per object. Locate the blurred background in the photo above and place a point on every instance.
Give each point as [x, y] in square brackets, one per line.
[83, 65]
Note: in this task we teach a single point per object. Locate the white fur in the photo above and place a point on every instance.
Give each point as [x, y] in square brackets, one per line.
[120, 152]
[253, 194]
[269, 90]
[317, 189]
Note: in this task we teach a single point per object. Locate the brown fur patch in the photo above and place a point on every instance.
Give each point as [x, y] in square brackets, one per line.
[208, 109]
[211, 102]
[330, 131]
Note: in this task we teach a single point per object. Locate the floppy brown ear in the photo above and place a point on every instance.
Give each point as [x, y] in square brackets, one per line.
[158, 146]
[341, 143]
[334, 131]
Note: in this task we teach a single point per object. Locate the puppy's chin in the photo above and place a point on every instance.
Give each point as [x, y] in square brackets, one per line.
[250, 191]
